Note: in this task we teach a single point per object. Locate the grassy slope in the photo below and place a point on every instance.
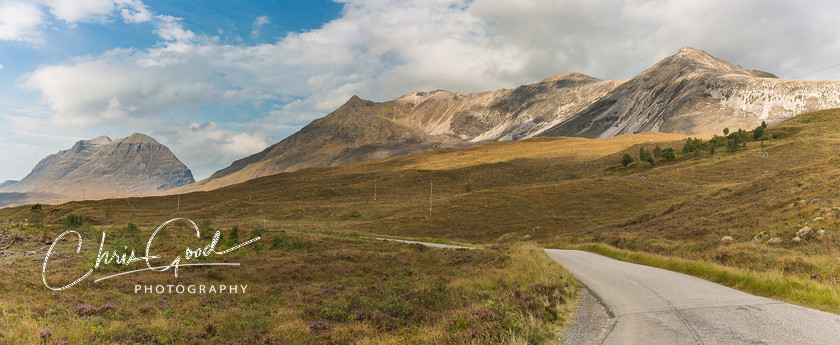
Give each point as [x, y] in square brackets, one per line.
[559, 191]
[304, 288]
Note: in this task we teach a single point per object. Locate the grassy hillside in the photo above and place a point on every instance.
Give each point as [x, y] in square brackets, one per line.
[739, 210]
[301, 287]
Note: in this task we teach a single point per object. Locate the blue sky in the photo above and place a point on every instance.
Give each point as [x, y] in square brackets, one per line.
[218, 80]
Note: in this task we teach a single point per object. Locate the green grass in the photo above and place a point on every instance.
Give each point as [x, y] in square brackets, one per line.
[772, 284]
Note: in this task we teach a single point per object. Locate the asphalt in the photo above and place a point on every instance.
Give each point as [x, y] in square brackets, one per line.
[647, 305]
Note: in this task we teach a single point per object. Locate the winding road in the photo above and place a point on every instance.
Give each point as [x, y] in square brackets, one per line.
[647, 305]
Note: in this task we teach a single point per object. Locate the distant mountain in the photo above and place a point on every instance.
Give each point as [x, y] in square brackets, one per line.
[134, 165]
[689, 92]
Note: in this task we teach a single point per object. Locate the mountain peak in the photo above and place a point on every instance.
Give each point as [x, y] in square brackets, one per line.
[139, 138]
[688, 51]
[571, 76]
[690, 59]
[100, 140]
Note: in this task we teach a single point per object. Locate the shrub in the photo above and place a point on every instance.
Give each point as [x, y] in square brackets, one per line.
[726, 131]
[657, 152]
[668, 154]
[132, 226]
[36, 214]
[645, 156]
[773, 135]
[234, 234]
[717, 141]
[73, 220]
[284, 242]
[626, 159]
[354, 214]
[571, 176]
[468, 188]
[694, 145]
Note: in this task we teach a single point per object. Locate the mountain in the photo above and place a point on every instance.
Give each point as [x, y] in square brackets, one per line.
[689, 92]
[134, 165]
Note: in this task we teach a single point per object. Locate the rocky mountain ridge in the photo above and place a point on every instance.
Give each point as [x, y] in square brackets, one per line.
[689, 92]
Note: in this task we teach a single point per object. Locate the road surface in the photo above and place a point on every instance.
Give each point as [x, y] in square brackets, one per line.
[647, 305]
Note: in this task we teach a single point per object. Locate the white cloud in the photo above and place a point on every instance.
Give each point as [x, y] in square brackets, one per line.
[204, 147]
[24, 20]
[19, 21]
[258, 24]
[170, 29]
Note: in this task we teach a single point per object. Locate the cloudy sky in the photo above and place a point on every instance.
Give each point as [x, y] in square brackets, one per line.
[218, 80]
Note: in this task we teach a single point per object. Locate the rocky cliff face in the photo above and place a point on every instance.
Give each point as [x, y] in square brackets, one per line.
[689, 92]
[100, 167]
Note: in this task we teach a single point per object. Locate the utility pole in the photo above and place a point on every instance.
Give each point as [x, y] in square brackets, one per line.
[431, 185]
[179, 202]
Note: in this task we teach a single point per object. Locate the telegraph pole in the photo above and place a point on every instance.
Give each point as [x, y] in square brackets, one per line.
[431, 184]
[179, 202]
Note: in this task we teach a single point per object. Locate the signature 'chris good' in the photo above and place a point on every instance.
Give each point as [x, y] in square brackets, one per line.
[126, 257]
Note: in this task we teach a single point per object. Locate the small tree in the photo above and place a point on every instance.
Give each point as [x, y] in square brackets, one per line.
[36, 214]
[736, 140]
[645, 156]
[626, 159]
[668, 154]
[759, 131]
[726, 131]
[694, 145]
[657, 152]
[717, 141]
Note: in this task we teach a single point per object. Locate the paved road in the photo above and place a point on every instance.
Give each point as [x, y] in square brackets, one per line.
[648, 305]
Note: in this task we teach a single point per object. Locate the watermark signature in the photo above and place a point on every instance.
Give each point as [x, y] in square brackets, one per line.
[124, 258]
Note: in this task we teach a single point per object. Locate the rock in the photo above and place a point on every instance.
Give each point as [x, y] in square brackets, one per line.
[816, 219]
[803, 201]
[804, 233]
[815, 200]
[760, 237]
[727, 239]
[796, 239]
[774, 240]
[820, 233]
